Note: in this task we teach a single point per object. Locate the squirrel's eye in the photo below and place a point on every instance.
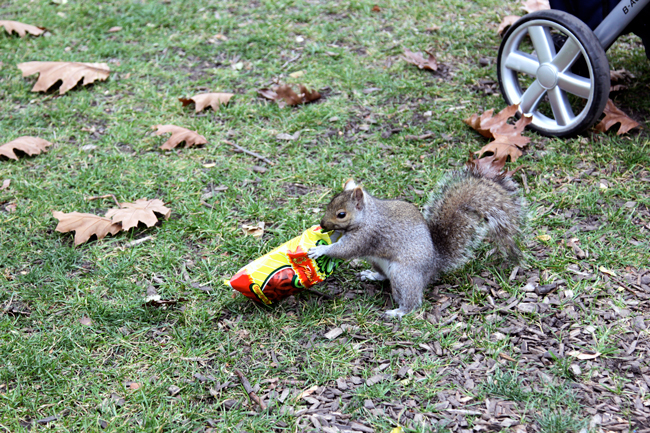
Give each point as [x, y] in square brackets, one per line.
[340, 215]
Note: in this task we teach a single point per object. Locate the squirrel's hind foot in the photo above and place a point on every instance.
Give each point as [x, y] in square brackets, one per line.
[394, 314]
[369, 275]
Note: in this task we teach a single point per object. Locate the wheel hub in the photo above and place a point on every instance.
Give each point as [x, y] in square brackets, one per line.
[547, 75]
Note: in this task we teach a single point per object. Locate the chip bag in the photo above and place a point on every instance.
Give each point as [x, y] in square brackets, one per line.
[287, 269]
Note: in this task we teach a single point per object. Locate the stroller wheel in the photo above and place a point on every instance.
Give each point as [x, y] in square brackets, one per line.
[554, 67]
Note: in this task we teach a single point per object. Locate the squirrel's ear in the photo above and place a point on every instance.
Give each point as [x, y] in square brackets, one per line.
[358, 197]
[349, 184]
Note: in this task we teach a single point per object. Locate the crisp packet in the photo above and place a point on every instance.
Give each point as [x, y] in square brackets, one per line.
[287, 269]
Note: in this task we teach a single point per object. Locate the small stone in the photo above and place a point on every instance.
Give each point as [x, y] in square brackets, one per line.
[575, 369]
[368, 404]
[173, 390]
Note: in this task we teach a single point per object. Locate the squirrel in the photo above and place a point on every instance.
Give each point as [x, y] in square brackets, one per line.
[410, 248]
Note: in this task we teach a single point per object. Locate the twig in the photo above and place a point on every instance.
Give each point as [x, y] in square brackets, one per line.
[247, 387]
[256, 155]
[105, 196]
[207, 205]
[137, 242]
[290, 61]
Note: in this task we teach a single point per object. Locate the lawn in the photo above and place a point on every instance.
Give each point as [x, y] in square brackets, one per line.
[557, 343]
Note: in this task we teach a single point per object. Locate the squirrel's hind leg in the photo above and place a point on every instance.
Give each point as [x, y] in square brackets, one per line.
[407, 287]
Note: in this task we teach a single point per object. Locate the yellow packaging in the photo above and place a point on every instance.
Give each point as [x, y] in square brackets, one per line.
[285, 270]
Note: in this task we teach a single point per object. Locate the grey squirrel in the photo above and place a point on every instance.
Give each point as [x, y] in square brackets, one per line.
[410, 248]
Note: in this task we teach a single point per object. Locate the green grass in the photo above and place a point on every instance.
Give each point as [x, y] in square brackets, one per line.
[51, 364]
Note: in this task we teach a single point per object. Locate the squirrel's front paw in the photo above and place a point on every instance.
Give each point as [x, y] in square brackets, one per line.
[317, 251]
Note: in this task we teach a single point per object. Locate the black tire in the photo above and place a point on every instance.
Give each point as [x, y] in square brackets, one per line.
[593, 57]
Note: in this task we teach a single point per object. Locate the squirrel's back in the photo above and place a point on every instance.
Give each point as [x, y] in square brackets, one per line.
[472, 202]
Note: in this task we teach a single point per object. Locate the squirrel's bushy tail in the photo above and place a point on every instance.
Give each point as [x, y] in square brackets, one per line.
[472, 202]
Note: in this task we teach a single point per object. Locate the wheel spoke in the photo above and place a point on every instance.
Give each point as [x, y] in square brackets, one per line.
[543, 43]
[575, 84]
[531, 97]
[522, 62]
[561, 106]
[567, 55]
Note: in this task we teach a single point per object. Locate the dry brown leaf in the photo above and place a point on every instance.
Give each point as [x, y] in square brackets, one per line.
[487, 125]
[507, 22]
[114, 29]
[508, 141]
[5, 184]
[604, 270]
[418, 60]
[142, 211]
[203, 100]
[535, 5]
[10, 207]
[491, 167]
[376, 8]
[257, 231]
[284, 95]
[86, 321]
[153, 299]
[179, 134]
[85, 225]
[584, 355]
[70, 73]
[29, 145]
[613, 116]
[620, 75]
[133, 386]
[306, 393]
[501, 147]
[21, 28]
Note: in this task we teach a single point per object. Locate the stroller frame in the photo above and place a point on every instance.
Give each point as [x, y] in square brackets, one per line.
[568, 67]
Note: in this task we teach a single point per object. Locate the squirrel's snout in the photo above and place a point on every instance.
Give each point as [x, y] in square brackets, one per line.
[325, 226]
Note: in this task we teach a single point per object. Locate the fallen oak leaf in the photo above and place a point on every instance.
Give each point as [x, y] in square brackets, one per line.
[418, 60]
[257, 231]
[584, 355]
[143, 210]
[491, 166]
[486, 121]
[535, 5]
[620, 75]
[85, 225]
[613, 115]
[503, 146]
[507, 22]
[179, 134]
[153, 299]
[29, 145]
[70, 73]
[21, 28]
[204, 100]
[285, 95]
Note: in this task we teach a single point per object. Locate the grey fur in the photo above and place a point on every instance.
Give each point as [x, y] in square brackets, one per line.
[411, 249]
